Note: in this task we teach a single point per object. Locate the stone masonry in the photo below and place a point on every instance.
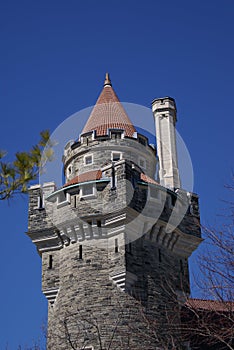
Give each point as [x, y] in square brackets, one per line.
[114, 243]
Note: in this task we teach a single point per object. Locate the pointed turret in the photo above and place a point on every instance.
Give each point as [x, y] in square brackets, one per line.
[108, 113]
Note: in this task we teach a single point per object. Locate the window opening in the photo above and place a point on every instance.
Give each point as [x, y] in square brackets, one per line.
[116, 156]
[40, 203]
[50, 262]
[88, 160]
[113, 181]
[87, 190]
[116, 245]
[80, 251]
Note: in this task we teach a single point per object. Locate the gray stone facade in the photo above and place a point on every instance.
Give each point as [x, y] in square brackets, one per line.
[114, 261]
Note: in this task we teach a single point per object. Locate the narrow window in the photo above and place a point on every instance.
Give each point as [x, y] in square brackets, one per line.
[80, 251]
[113, 180]
[74, 201]
[173, 200]
[99, 224]
[69, 170]
[116, 245]
[40, 202]
[159, 255]
[50, 262]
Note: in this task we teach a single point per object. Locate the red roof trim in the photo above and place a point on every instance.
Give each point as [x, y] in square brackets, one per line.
[88, 176]
[210, 305]
[148, 179]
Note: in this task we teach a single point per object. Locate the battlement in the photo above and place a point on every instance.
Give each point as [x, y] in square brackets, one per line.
[115, 237]
[95, 152]
[81, 211]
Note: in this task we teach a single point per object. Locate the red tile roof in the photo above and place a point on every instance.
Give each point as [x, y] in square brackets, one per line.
[148, 179]
[108, 113]
[88, 176]
[210, 305]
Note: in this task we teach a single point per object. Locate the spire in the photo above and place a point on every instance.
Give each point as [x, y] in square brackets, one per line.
[107, 81]
[108, 113]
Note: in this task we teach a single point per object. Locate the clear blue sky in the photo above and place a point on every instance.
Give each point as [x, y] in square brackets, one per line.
[54, 55]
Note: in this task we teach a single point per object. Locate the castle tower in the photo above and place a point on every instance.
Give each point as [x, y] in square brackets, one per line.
[164, 110]
[113, 275]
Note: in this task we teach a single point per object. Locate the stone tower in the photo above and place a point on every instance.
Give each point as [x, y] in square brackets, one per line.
[113, 274]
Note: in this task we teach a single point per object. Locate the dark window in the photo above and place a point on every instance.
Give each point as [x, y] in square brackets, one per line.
[50, 262]
[40, 202]
[142, 141]
[115, 135]
[80, 251]
[116, 245]
[173, 200]
[99, 224]
[74, 202]
[113, 179]
[88, 160]
[87, 190]
[116, 156]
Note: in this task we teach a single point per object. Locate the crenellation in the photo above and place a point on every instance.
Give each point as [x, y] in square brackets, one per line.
[114, 242]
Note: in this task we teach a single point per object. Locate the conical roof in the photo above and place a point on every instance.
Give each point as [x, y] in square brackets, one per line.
[108, 113]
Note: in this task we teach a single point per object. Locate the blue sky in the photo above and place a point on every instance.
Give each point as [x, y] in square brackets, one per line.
[54, 55]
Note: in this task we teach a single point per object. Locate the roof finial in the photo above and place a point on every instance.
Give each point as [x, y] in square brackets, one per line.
[107, 80]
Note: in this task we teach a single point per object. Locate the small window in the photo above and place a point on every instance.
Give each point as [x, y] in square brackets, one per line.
[173, 200]
[115, 156]
[88, 159]
[142, 140]
[69, 170]
[40, 202]
[116, 245]
[50, 262]
[63, 197]
[80, 252]
[74, 202]
[116, 134]
[88, 190]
